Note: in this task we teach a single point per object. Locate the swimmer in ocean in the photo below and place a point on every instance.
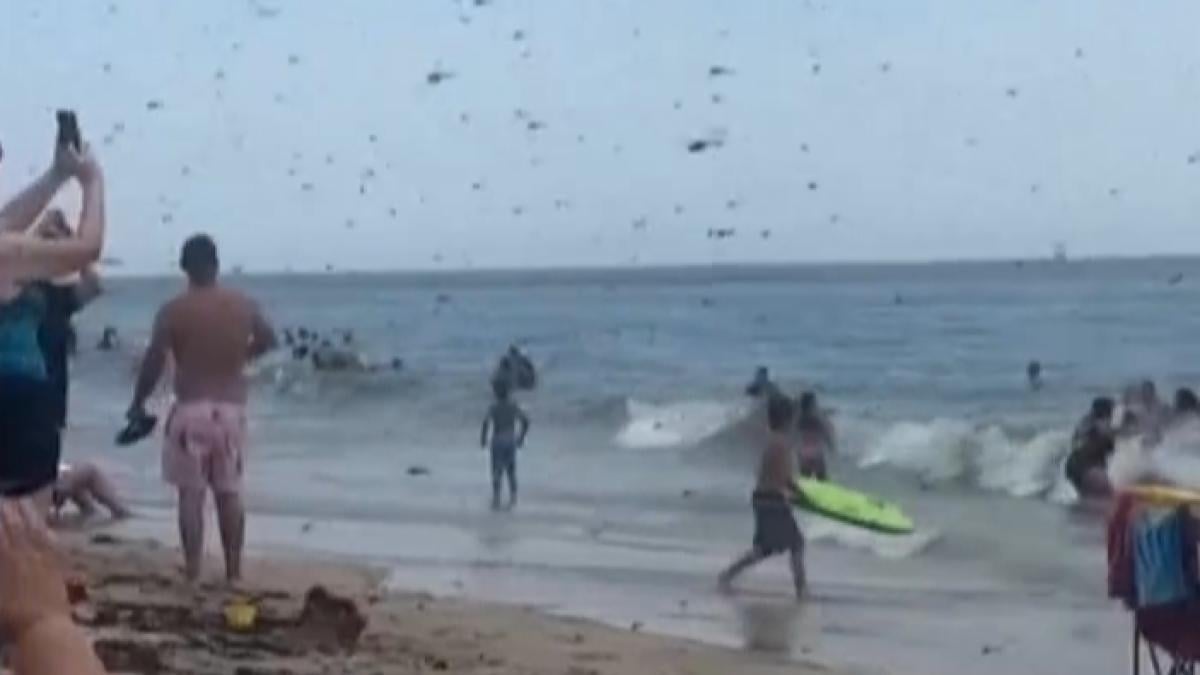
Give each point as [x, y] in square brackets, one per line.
[516, 370]
[1033, 372]
[108, 340]
[330, 358]
[1186, 409]
[761, 386]
[500, 426]
[816, 437]
[1092, 444]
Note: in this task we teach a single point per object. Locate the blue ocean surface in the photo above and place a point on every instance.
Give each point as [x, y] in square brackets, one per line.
[639, 465]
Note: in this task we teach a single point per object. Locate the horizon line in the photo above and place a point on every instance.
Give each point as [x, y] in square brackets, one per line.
[237, 271]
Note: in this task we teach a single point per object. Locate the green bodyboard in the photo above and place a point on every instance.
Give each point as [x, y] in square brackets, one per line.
[851, 507]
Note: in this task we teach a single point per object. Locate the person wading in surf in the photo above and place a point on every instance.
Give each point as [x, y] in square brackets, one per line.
[816, 438]
[502, 420]
[1091, 446]
[775, 529]
[761, 386]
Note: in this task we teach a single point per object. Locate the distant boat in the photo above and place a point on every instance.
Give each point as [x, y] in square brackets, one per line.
[1060, 253]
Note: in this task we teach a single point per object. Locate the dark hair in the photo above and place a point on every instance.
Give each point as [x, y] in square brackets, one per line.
[1102, 407]
[1186, 401]
[779, 413]
[198, 259]
[808, 402]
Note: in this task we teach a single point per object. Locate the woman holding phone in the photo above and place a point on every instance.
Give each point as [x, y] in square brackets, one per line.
[29, 433]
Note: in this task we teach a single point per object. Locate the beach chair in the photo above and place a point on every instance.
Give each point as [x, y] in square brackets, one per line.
[1167, 637]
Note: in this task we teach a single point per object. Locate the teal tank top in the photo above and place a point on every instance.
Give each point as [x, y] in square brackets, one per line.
[20, 351]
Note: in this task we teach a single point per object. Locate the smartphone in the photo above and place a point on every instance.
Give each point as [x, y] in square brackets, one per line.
[68, 130]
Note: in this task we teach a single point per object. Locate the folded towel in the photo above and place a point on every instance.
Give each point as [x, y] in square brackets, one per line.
[1162, 551]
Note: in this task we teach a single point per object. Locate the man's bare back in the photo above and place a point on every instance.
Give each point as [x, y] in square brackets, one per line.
[777, 468]
[212, 333]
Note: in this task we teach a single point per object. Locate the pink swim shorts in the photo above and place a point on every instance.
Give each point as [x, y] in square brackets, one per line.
[205, 443]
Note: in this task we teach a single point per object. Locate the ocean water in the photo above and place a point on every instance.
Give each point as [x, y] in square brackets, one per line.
[638, 468]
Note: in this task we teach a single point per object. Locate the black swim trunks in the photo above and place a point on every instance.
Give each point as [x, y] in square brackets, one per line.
[504, 459]
[30, 441]
[775, 529]
[1078, 465]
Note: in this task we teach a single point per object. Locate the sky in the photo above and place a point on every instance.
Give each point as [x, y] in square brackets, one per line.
[306, 134]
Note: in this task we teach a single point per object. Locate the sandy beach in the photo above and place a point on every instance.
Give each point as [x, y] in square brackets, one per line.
[145, 620]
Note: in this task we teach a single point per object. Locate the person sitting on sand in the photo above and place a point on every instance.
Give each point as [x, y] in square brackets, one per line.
[84, 485]
[816, 437]
[502, 420]
[775, 528]
[212, 333]
[761, 387]
[1092, 444]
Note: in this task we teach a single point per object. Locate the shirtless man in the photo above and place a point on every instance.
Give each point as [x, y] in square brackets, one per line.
[1092, 444]
[775, 529]
[507, 425]
[211, 333]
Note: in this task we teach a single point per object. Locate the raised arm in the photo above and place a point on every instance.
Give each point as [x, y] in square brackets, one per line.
[524, 420]
[29, 258]
[20, 211]
[153, 363]
[483, 430]
[19, 214]
[262, 335]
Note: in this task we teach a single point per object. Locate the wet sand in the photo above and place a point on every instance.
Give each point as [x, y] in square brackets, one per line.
[145, 620]
[867, 614]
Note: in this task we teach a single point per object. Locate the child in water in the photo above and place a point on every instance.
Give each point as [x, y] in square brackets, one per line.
[502, 420]
[775, 529]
